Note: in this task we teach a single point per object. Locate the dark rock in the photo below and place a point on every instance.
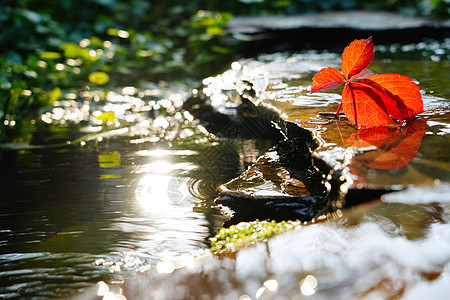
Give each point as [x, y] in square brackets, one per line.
[284, 184]
[240, 118]
[278, 33]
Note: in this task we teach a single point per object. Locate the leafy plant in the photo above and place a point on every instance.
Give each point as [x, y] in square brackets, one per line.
[369, 100]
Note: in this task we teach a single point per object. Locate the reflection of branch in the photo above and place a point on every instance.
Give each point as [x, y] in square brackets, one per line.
[340, 131]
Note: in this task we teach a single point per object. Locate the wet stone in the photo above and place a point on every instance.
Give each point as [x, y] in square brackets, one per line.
[276, 190]
[362, 20]
[277, 33]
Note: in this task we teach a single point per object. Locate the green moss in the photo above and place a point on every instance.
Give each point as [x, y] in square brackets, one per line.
[245, 234]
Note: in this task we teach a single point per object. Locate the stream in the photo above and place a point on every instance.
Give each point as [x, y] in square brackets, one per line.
[114, 183]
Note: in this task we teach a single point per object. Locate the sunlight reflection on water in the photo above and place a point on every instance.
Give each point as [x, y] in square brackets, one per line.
[158, 192]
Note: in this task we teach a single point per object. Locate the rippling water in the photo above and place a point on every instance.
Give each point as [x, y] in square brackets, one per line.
[70, 214]
[134, 184]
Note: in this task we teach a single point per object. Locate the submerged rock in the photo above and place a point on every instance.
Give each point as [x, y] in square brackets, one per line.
[286, 183]
[267, 190]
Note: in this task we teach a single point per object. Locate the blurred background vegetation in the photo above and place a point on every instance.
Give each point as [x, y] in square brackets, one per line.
[51, 48]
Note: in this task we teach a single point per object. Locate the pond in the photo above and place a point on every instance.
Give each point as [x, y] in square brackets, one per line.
[114, 183]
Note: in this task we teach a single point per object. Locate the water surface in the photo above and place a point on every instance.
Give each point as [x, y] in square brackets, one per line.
[113, 201]
[93, 196]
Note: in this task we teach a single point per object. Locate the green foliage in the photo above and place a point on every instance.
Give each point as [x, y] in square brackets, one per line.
[248, 233]
[51, 48]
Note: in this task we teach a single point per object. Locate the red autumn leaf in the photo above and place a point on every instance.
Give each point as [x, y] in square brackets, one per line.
[364, 106]
[403, 98]
[356, 57]
[395, 147]
[327, 78]
[369, 100]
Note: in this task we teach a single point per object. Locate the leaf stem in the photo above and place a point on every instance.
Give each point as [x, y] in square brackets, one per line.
[349, 84]
[338, 110]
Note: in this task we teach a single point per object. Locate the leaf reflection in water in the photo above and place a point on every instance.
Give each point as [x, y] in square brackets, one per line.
[388, 148]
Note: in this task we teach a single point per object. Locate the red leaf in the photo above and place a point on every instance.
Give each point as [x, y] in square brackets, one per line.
[356, 57]
[369, 100]
[363, 106]
[395, 147]
[401, 95]
[327, 78]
